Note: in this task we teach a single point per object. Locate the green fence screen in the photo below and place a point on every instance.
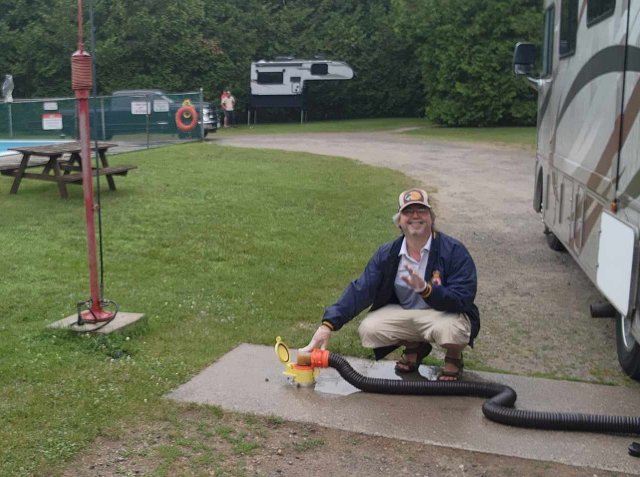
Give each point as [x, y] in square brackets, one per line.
[143, 118]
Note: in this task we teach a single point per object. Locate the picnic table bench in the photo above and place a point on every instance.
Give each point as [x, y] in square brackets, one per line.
[61, 170]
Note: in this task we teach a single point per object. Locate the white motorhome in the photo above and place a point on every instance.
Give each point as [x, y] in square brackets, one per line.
[280, 83]
[587, 170]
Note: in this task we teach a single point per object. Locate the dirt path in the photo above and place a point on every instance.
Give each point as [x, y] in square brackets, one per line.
[534, 302]
[198, 442]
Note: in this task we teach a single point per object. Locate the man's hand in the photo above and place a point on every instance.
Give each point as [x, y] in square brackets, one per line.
[320, 339]
[414, 280]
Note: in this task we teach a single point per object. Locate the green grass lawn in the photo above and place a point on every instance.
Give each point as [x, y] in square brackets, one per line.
[347, 125]
[217, 246]
[512, 136]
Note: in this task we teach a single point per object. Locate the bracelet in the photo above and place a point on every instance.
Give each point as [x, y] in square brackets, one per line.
[328, 325]
[426, 292]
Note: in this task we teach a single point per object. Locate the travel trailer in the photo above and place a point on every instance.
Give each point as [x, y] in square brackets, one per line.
[280, 83]
[587, 170]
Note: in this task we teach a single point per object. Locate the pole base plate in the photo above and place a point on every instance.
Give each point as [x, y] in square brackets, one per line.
[122, 320]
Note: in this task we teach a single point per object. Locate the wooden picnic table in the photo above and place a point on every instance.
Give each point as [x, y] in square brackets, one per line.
[62, 170]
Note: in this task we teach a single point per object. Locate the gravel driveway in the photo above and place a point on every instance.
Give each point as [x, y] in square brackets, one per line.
[534, 302]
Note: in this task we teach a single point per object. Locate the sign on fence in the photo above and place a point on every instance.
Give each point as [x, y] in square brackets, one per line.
[52, 121]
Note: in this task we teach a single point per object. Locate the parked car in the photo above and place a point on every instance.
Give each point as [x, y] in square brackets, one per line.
[129, 110]
[142, 111]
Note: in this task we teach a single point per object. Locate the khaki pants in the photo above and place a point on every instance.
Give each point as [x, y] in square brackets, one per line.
[393, 325]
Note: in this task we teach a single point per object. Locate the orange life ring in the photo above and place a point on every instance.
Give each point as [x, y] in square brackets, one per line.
[186, 112]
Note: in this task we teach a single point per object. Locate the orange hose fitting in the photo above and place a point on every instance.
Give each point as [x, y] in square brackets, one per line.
[320, 358]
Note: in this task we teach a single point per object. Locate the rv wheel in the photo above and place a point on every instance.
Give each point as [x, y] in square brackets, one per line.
[553, 242]
[627, 347]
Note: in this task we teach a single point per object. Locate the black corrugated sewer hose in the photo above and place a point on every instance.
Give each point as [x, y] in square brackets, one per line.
[499, 406]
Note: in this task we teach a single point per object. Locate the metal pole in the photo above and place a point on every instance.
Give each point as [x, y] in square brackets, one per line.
[94, 87]
[10, 120]
[104, 126]
[81, 82]
[201, 115]
[148, 111]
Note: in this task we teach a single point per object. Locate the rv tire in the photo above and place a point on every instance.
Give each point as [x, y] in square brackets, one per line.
[627, 347]
[554, 243]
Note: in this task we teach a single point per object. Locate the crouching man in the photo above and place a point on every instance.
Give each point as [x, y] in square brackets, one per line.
[420, 289]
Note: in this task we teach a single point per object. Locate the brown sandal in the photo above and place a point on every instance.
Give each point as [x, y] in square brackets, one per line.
[453, 375]
[405, 365]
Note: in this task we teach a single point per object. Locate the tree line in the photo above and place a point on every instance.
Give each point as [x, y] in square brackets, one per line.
[447, 60]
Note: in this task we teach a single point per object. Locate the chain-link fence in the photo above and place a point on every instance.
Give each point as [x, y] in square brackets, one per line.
[131, 118]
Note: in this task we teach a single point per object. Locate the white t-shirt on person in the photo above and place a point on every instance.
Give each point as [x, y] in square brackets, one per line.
[228, 103]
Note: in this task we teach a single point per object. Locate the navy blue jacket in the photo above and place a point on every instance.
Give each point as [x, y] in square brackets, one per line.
[375, 287]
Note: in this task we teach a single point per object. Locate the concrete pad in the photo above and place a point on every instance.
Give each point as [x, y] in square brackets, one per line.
[249, 379]
[122, 320]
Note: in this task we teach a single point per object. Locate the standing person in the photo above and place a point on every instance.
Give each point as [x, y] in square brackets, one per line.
[228, 104]
[223, 96]
[421, 289]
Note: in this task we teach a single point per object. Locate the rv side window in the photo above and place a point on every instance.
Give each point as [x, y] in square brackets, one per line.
[547, 47]
[568, 27]
[270, 77]
[320, 69]
[598, 10]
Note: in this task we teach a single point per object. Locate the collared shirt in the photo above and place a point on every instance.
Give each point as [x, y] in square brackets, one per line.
[408, 298]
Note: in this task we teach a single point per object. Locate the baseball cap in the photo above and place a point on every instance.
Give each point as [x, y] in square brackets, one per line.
[412, 196]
